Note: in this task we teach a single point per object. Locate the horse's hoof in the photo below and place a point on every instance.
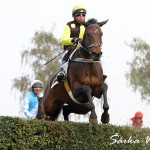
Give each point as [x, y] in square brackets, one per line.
[93, 120]
[105, 118]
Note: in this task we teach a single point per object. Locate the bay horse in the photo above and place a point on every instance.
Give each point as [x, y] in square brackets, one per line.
[84, 81]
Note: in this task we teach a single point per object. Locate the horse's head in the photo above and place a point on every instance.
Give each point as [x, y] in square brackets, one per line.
[92, 40]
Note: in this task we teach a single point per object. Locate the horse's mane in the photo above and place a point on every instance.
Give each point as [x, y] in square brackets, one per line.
[92, 21]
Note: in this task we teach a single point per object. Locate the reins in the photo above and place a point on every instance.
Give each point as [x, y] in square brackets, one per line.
[80, 59]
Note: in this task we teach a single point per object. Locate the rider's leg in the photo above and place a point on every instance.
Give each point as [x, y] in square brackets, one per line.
[62, 73]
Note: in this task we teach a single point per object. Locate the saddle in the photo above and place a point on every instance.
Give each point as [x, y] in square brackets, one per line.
[64, 67]
[68, 52]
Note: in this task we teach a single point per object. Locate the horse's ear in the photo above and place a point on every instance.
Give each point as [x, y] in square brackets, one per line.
[102, 23]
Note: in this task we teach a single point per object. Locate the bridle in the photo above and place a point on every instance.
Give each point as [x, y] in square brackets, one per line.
[87, 47]
[95, 44]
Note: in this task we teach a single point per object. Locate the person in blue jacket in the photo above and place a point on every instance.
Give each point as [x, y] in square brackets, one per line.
[31, 102]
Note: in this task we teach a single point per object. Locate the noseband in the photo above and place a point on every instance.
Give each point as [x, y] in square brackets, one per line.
[89, 46]
[95, 44]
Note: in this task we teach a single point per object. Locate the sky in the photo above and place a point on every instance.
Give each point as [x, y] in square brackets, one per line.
[20, 19]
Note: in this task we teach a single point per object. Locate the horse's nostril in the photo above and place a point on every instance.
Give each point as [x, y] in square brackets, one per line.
[95, 56]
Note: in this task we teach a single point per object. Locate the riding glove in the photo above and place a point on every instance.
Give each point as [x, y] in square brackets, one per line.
[76, 40]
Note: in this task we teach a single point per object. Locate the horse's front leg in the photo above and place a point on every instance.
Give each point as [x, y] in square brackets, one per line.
[84, 93]
[93, 116]
[105, 116]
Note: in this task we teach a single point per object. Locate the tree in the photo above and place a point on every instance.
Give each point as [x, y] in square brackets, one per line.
[139, 74]
[44, 46]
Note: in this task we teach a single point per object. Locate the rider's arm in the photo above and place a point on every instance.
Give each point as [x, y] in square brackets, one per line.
[66, 39]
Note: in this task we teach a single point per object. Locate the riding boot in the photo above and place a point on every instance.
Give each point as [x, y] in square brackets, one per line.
[61, 75]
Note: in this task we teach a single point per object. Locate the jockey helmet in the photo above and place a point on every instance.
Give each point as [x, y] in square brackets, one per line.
[139, 114]
[78, 9]
[36, 84]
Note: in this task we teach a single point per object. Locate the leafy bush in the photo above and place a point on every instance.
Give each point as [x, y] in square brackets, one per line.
[17, 133]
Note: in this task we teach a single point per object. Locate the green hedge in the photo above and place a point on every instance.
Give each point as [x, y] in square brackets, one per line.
[17, 133]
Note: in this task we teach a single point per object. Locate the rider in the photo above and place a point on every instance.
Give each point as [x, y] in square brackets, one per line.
[136, 121]
[31, 102]
[73, 33]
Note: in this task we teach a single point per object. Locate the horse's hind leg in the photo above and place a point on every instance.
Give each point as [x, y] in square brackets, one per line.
[105, 116]
[66, 112]
[55, 114]
[77, 109]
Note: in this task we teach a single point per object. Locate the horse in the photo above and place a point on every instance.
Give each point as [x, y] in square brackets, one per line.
[84, 81]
